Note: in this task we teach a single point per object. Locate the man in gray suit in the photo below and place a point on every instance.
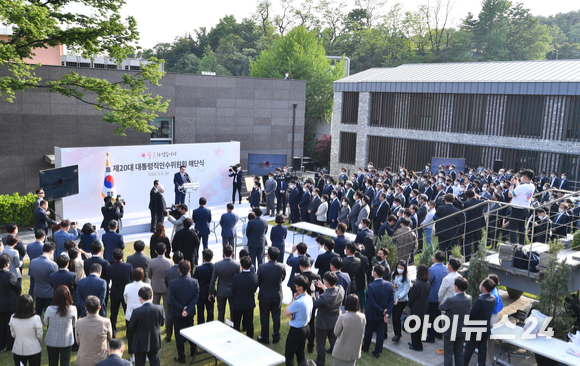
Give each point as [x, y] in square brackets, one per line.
[328, 305]
[459, 305]
[355, 210]
[225, 269]
[156, 272]
[364, 212]
[171, 273]
[270, 190]
[256, 234]
[228, 222]
[178, 223]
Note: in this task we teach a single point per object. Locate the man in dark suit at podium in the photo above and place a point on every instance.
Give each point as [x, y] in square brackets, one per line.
[152, 204]
[41, 219]
[179, 179]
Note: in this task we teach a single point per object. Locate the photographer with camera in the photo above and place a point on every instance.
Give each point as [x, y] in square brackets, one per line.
[63, 235]
[177, 215]
[237, 174]
[112, 211]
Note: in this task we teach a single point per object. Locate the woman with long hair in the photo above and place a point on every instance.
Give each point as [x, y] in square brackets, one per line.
[419, 302]
[60, 319]
[159, 237]
[26, 329]
[401, 283]
[76, 263]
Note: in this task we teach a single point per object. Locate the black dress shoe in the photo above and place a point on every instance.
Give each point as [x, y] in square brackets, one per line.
[178, 360]
[365, 350]
[396, 339]
[310, 349]
[263, 340]
[376, 354]
[328, 350]
[275, 340]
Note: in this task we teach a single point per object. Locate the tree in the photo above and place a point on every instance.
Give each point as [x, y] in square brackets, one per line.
[38, 24]
[209, 63]
[302, 55]
[478, 270]
[490, 31]
[322, 149]
[527, 39]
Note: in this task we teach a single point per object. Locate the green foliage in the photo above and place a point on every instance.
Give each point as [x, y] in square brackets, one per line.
[302, 55]
[425, 258]
[387, 242]
[478, 271]
[553, 291]
[46, 24]
[18, 209]
[209, 63]
[456, 252]
[576, 241]
[555, 246]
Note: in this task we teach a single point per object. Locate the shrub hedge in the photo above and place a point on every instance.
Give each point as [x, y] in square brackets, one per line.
[18, 209]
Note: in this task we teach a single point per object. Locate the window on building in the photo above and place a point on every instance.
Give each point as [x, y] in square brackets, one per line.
[347, 153]
[524, 115]
[468, 113]
[423, 111]
[163, 135]
[573, 128]
[382, 109]
[350, 108]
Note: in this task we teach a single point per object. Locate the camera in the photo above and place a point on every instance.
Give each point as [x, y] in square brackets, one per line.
[174, 212]
[119, 201]
[94, 227]
[73, 223]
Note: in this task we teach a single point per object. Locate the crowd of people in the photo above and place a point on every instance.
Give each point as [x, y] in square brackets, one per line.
[77, 276]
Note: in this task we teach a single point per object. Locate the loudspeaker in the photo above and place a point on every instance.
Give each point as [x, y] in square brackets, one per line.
[497, 165]
[297, 164]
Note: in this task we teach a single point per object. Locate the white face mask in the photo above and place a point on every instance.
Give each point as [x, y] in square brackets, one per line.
[563, 177]
[360, 226]
[389, 191]
[496, 191]
[401, 170]
[422, 179]
[395, 204]
[561, 210]
[439, 180]
[366, 185]
[345, 204]
[380, 181]
[413, 180]
[291, 186]
[239, 169]
[332, 196]
[455, 183]
[400, 270]
[426, 168]
[441, 175]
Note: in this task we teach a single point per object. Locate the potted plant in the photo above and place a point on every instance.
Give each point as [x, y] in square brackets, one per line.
[456, 253]
[554, 247]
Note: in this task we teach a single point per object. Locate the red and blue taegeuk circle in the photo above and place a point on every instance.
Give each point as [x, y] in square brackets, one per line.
[109, 182]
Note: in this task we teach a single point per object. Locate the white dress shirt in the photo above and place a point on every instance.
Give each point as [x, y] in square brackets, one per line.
[131, 296]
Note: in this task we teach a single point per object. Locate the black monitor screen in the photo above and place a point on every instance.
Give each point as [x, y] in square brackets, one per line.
[60, 182]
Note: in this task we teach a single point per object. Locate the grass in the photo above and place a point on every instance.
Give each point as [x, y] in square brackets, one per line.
[169, 350]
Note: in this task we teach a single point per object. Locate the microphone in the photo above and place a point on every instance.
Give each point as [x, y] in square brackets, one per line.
[54, 213]
[188, 179]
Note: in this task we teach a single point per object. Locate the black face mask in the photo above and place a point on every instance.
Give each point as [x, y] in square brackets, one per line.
[379, 258]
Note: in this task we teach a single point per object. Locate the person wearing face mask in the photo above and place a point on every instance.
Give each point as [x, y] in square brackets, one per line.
[281, 186]
[545, 197]
[340, 190]
[237, 174]
[364, 211]
[328, 187]
[561, 222]
[364, 231]
[293, 201]
[542, 227]
[564, 182]
[361, 179]
[401, 284]
[322, 211]
[405, 239]
[333, 210]
[554, 180]
[313, 207]
[270, 191]
[354, 182]
[343, 176]
[255, 197]
[456, 186]
[344, 211]
[390, 196]
[422, 184]
[381, 212]
[354, 212]
[369, 190]
[452, 173]
[305, 202]
[427, 169]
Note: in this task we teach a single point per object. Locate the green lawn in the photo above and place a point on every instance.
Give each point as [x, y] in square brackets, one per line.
[169, 350]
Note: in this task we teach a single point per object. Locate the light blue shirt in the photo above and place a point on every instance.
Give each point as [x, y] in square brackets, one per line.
[403, 287]
[60, 237]
[436, 274]
[301, 310]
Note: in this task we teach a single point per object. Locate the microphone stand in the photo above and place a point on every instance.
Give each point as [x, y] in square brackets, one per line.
[55, 215]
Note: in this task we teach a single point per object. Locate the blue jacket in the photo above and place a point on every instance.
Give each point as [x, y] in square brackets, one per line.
[183, 294]
[40, 269]
[228, 223]
[112, 241]
[436, 274]
[278, 236]
[178, 181]
[333, 211]
[67, 278]
[343, 279]
[92, 285]
[360, 237]
[327, 189]
[202, 217]
[370, 193]
[255, 198]
[34, 250]
[305, 201]
[60, 237]
[294, 198]
[380, 296]
[340, 243]
[256, 233]
[293, 262]
[203, 275]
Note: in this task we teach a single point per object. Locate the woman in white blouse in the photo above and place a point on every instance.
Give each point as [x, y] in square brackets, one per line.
[131, 296]
[26, 329]
[322, 211]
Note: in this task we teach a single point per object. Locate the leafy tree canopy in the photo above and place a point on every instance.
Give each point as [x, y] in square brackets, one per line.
[39, 24]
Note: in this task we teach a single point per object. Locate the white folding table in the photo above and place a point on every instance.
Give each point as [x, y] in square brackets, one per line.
[306, 226]
[552, 348]
[230, 346]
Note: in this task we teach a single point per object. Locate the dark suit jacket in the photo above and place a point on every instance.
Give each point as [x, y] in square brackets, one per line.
[201, 216]
[187, 242]
[183, 294]
[419, 298]
[483, 309]
[146, 322]
[333, 211]
[228, 223]
[92, 285]
[41, 220]
[104, 263]
[564, 184]
[225, 269]
[67, 278]
[237, 178]
[343, 279]
[311, 277]
[294, 197]
[387, 268]
[361, 275]
[120, 275]
[152, 199]
[244, 286]
[293, 261]
[270, 278]
[328, 305]
[460, 305]
[561, 224]
[351, 266]
[323, 262]
[111, 214]
[203, 276]
[160, 205]
[178, 181]
[474, 217]
[114, 360]
[256, 233]
[380, 297]
[139, 260]
[255, 198]
[278, 237]
[422, 213]
[112, 241]
[305, 200]
[382, 213]
[340, 243]
[9, 291]
[360, 237]
[447, 224]
[171, 274]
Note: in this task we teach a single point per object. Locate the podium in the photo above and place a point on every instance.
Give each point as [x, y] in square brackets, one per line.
[188, 189]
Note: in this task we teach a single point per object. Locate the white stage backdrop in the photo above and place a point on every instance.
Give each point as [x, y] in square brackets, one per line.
[134, 168]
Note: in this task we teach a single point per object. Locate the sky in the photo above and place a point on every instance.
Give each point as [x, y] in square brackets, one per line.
[162, 21]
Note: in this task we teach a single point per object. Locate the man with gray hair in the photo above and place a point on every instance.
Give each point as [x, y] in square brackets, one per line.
[160, 205]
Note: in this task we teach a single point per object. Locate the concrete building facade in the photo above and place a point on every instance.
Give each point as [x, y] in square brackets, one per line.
[256, 112]
[523, 114]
